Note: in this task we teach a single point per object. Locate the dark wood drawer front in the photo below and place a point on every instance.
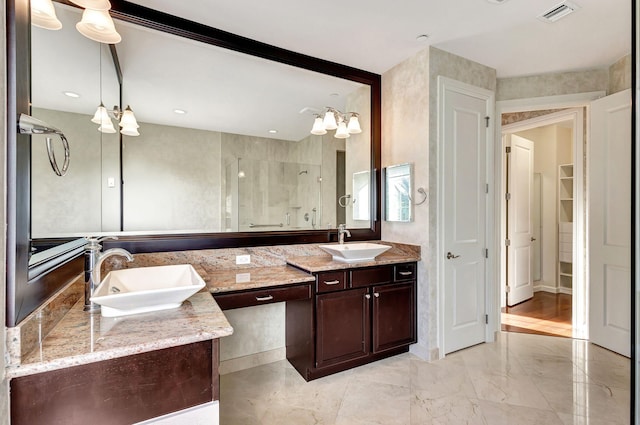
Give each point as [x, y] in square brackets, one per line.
[331, 281]
[405, 272]
[372, 276]
[263, 296]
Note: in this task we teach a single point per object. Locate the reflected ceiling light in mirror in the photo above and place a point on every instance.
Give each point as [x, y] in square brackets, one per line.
[71, 94]
[180, 111]
[128, 123]
[318, 126]
[98, 26]
[93, 4]
[43, 15]
[344, 124]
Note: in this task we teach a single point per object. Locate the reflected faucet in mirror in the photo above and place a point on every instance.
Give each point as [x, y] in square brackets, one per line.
[93, 259]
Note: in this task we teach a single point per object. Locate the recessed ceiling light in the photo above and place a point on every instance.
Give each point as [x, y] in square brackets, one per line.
[273, 131]
[71, 94]
[422, 38]
[497, 1]
[180, 111]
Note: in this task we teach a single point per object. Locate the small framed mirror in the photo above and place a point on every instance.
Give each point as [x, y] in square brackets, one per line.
[398, 185]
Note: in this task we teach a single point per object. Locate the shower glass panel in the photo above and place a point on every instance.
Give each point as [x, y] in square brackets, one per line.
[276, 196]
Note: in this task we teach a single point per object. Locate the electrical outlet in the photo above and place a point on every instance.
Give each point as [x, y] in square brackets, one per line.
[243, 259]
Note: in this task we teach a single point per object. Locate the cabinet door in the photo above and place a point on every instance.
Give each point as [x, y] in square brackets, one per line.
[393, 316]
[342, 326]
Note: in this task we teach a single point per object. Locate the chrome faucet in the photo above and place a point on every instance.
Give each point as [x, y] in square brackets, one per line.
[93, 259]
[342, 230]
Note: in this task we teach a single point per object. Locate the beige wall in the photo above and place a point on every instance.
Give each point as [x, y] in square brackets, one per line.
[409, 104]
[620, 75]
[71, 204]
[552, 84]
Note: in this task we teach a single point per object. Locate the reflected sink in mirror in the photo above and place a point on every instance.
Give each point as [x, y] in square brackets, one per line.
[146, 289]
[351, 252]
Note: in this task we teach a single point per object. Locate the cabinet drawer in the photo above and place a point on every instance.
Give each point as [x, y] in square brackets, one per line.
[331, 281]
[263, 296]
[372, 276]
[404, 272]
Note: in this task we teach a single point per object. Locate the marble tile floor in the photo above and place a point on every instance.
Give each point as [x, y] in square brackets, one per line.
[521, 379]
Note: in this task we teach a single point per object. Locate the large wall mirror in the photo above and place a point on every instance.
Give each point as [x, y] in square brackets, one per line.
[224, 155]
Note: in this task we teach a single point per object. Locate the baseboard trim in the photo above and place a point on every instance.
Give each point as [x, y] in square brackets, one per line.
[252, 360]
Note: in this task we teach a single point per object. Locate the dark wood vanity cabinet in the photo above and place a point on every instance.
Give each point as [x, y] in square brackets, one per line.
[371, 314]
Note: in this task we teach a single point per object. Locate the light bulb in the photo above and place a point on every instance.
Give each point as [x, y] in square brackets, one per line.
[107, 127]
[330, 120]
[354, 125]
[43, 15]
[130, 131]
[318, 127]
[342, 132]
[101, 115]
[128, 119]
[93, 4]
[97, 25]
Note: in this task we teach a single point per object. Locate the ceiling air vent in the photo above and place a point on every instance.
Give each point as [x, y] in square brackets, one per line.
[559, 11]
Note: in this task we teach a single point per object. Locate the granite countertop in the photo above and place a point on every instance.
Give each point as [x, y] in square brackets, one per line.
[81, 338]
[229, 280]
[321, 263]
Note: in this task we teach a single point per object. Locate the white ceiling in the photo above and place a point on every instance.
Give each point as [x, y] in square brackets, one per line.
[230, 92]
[375, 35]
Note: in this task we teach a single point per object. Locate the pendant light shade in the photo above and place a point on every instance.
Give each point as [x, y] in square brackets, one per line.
[107, 127]
[101, 116]
[318, 127]
[93, 4]
[43, 15]
[98, 26]
[330, 120]
[354, 125]
[342, 132]
[129, 123]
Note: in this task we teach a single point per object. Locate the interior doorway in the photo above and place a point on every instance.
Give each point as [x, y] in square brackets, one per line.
[541, 267]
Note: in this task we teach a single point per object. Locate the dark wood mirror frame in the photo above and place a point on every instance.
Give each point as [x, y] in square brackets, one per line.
[27, 290]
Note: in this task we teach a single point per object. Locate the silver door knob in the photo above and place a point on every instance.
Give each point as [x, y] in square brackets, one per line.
[450, 256]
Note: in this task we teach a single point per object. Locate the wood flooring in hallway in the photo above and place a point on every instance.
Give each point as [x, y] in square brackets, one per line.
[544, 314]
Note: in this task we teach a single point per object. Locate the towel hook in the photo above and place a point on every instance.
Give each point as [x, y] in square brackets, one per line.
[424, 196]
[30, 125]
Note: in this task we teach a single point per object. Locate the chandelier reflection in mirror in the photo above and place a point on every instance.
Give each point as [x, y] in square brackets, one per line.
[345, 124]
[96, 23]
[128, 123]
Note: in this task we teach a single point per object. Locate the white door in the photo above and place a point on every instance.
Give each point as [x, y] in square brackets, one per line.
[463, 143]
[519, 220]
[609, 174]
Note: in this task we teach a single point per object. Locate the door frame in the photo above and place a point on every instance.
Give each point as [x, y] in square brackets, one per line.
[580, 100]
[445, 83]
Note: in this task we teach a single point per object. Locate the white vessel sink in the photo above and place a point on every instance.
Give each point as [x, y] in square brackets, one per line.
[355, 251]
[146, 289]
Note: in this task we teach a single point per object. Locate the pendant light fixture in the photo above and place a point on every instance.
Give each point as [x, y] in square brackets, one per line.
[98, 26]
[333, 119]
[43, 15]
[96, 23]
[128, 123]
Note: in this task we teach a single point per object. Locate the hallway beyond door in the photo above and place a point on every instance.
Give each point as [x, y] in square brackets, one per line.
[544, 314]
